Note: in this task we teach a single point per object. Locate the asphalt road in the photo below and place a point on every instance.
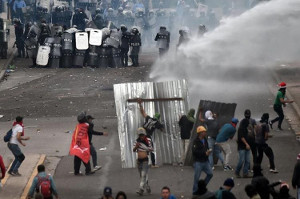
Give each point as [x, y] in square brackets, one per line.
[57, 96]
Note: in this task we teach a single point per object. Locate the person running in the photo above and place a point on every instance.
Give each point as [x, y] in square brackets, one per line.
[150, 125]
[91, 132]
[201, 152]
[261, 136]
[251, 135]
[279, 102]
[143, 147]
[17, 138]
[226, 132]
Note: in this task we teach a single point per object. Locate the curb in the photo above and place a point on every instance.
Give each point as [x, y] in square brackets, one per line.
[34, 173]
[8, 62]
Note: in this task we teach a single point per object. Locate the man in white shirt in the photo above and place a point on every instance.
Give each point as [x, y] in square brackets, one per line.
[13, 145]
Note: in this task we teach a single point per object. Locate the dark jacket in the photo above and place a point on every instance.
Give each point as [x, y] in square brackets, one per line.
[91, 132]
[186, 127]
[199, 150]
[125, 40]
[224, 194]
[296, 175]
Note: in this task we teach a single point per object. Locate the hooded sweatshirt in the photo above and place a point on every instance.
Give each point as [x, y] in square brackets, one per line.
[186, 124]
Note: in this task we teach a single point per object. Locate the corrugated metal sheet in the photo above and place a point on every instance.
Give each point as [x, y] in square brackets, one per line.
[225, 114]
[167, 144]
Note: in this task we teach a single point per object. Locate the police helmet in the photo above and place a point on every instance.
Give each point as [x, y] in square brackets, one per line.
[120, 9]
[135, 31]
[110, 10]
[16, 20]
[123, 28]
[98, 11]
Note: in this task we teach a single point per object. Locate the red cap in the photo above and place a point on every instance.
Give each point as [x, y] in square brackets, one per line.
[282, 85]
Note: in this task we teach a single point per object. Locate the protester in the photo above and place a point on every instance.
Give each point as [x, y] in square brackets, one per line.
[261, 136]
[44, 184]
[91, 132]
[2, 167]
[296, 176]
[201, 152]
[243, 149]
[150, 125]
[17, 138]
[279, 102]
[121, 195]
[143, 147]
[225, 191]
[251, 135]
[186, 123]
[251, 192]
[80, 146]
[202, 192]
[166, 193]
[226, 132]
[212, 125]
[107, 193]
[19, 31]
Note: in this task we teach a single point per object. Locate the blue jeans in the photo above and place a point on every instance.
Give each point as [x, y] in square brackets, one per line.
[143, 167]
[215, 151]
[19, 157]
[298, 189]
[198, 168]
[244, 159]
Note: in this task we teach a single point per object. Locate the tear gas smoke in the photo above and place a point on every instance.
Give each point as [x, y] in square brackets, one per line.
[230, 61]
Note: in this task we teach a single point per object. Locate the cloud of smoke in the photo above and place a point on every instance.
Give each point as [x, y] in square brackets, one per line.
[235, 54]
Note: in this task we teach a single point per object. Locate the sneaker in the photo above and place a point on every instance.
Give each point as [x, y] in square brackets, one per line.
[226, 168]
[229, 167]
[280, 129]
[140, 192]
[154, 166]
[148, 189]
[96, 168]
[90, 173]
[16, 173]
[273, 171]
[11, 173]
[78, 174]
[270, 123]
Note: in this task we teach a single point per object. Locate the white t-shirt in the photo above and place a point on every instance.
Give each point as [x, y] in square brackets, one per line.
[15, 130]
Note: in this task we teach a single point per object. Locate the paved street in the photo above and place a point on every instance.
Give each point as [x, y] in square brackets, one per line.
[50, 99]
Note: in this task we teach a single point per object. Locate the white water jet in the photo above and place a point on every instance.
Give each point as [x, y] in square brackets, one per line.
[233, 55]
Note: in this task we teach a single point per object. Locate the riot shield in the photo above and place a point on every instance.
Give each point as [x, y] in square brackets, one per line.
[43, 55]
[95, 37]
[82, 40]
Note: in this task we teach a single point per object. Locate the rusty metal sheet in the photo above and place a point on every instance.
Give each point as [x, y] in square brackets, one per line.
[225, 113]
[170, 99]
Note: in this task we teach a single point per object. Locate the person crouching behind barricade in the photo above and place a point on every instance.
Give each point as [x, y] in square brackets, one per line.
[143, 146]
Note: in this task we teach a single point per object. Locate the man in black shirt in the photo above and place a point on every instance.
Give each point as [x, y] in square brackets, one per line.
[91, 132]
[150, 125]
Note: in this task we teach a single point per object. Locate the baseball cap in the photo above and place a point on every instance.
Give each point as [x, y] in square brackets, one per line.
[282, 85]
[201, 129]
[229, 182]
[89, 117]
[141, 131]
[107, 191]
[234, 120]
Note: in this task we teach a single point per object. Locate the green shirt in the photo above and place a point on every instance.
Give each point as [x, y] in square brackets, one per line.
[277, 100]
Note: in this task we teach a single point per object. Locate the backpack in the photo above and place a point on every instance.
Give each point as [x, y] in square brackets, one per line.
[44, 186]
[8, 135]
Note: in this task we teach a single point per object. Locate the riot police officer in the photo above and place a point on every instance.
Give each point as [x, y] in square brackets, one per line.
[19, 30]
[202, 30]
[125, 40]
[110, 15]
[45, 31]
[120, 16]
[135, 44]
[163, 40]
[79, 19]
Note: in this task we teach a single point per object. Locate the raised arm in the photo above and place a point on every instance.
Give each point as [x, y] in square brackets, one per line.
[142, 109]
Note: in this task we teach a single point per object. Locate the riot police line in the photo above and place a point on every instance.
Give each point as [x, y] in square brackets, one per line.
[99, 48]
